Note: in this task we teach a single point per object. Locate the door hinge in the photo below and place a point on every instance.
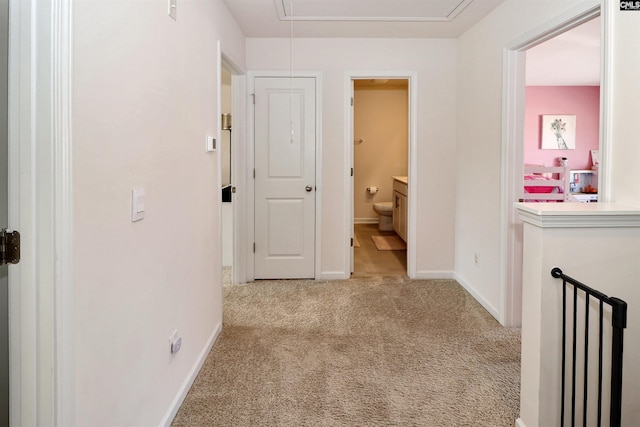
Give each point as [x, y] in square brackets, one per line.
[351, 171]
[352, 242]
[253, 97]
[352, 101]
[9, 247]
[254, 247]
[254, 173]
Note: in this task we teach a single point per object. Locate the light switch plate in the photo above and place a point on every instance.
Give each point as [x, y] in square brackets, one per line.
[173, 8]
[137, 204]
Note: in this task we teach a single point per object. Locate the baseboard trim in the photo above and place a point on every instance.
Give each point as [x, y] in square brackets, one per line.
[434, 274]
[520, 423]
[333, 275]
[477, 296]
[365, 220]
[188, 382]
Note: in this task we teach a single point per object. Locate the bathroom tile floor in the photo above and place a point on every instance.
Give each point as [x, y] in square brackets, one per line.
[369, 260]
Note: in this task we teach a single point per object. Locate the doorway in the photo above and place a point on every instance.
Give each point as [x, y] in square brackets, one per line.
[381, 152]
[513, 148]
[570, 90]
[408, 202]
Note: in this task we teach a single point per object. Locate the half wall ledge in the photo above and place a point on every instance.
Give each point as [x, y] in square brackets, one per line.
[579, 215]
[595, 242]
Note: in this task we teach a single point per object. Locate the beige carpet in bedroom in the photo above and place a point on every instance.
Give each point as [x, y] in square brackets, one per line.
[376, 351]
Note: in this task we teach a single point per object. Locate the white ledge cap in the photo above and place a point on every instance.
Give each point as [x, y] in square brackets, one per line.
[579, 215]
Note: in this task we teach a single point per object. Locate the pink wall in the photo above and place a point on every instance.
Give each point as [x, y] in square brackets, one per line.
[584, 102]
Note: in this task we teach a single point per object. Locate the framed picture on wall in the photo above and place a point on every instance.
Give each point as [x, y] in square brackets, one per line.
[558, 132]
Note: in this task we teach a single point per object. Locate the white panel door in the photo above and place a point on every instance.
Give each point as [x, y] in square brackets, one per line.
[285, 187]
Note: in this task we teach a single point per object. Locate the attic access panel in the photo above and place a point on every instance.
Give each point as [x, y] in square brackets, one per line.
[370, 10]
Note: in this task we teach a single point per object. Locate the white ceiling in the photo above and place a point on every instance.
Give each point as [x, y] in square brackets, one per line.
[359, 18]
[370, 10]
[570, 59]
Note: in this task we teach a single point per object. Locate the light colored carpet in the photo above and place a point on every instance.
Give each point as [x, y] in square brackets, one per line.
[227, 275]
[389, 243]
[376, 351]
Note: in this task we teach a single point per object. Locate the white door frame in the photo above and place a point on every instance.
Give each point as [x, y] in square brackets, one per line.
[250, 160]
[513, 107]
[238, 165]
[412, 77]
[239, 174]
[41, 309]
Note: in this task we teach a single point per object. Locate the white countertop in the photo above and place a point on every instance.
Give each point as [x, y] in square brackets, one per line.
[402, 179]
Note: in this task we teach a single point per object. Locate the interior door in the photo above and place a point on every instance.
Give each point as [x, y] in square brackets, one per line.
[4, 283]
[285, 171]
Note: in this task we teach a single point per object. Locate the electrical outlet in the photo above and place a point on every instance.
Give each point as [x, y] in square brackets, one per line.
[175, 342]
[175, 346]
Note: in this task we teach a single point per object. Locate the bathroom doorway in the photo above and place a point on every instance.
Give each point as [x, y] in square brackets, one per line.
[380, 175]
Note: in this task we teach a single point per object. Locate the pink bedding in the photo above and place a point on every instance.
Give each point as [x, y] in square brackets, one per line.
[538, 189]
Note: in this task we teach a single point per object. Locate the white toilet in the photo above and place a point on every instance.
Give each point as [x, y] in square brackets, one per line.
[385, 210]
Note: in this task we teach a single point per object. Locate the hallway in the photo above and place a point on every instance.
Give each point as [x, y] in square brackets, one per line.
[375, 350]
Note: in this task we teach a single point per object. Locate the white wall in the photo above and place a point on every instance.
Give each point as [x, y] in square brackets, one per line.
[479, 127]
[594, 256]
[145, 91]
[625, 92]
[435, 63]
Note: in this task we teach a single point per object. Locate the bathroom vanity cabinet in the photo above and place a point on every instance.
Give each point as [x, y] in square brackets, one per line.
[400, 191]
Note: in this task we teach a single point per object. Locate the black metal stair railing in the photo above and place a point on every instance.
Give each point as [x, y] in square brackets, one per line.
[619, 323]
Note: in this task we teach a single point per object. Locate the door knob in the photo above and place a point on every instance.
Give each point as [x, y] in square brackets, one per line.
[308, 188]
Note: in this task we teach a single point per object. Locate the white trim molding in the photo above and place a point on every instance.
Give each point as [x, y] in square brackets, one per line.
[64, 307]
[366, 220]
[476, 295]
[331, 275]
[191, 377]
[251, 76]
[444, 274]
[239, 165]
[513, 152]
[286, 12]
[412, 161]
[579, 215]
[41, 300]
[606, 130]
